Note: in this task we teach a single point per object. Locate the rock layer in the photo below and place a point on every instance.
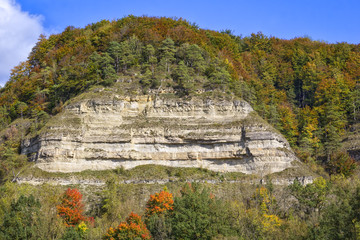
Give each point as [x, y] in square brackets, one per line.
[103, 134]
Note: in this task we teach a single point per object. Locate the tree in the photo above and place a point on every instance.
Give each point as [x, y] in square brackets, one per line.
[102, 67]
[71, 208]
[339, 219]
[309, 126]
[331, 108]
[288, 124]
[167, 53]
[219, 77]
[150, 57]
[341, 163]
[4, 117]
[183, 78]
[158, 207]
[269, 222]
[114, 51]
[21, 108]
[311, 197]
[127, 53]
[193, 58]
[197, 215]
[133, 228]
[337, 222]
[22, 219]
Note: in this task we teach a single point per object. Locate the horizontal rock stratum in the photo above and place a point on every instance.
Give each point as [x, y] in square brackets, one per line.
[99, 134]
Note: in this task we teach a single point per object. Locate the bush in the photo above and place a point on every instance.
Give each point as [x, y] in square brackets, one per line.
[133, 228]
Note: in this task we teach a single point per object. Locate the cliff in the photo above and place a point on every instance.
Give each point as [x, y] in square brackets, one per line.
[105, 133]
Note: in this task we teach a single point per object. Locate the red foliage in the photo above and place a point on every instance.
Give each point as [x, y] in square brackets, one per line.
[132, 228]
[71, 208]
[159, 203]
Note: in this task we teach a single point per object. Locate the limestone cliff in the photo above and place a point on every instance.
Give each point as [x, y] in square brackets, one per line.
[108, 133]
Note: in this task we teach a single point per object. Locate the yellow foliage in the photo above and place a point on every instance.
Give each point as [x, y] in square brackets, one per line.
[82, 227]
[270, 222]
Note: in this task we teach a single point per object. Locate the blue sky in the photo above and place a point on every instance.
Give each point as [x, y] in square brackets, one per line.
[330, 21]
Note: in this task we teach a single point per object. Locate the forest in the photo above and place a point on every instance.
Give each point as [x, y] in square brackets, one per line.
[308, 90]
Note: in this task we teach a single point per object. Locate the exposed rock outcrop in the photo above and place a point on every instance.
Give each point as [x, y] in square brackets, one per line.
[108, 133]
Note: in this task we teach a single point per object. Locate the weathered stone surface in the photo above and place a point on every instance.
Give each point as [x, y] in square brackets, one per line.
[74, 181]
[104, 134]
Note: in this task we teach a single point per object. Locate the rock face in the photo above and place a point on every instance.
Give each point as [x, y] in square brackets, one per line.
[105, 134]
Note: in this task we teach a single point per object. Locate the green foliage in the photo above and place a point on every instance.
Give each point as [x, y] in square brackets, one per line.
[336, 223]
[197, 214]
[22, 220]
[159, 227]
[71, 233]
[167, 53]
[311, 197]
[308, 90]
[283, 79]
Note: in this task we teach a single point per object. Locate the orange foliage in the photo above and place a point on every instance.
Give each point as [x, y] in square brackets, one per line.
[132, 228]
[159, 203]
[71, 208]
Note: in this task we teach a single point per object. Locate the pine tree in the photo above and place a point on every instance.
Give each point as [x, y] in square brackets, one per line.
[167, 53]
[150, 57]
[114, 51]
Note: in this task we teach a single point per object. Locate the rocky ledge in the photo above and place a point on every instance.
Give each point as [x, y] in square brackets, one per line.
[99, 134]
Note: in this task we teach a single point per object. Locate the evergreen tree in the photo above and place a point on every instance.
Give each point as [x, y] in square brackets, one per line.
[147, 78]
[332, 115]
[126, 57]
[219, 77]
[102, 67]
[194, 58]
[183, 78]
[150, 57]
[197, 215]
[167, 53]
[114, 51]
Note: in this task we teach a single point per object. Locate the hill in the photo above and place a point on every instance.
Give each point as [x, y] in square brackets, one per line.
[308, 90]
[164, 91]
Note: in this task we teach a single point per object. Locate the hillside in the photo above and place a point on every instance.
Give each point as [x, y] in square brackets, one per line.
[102, 107]
[308, 90]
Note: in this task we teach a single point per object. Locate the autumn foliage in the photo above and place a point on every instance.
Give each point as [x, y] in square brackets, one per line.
[159, 203]
[132, 228]
[308, 90]
[71, 208]
[341, 163]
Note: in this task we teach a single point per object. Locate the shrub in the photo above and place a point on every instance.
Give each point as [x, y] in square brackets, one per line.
[133, 228]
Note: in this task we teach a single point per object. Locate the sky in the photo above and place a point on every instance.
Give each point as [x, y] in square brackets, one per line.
[22, 21]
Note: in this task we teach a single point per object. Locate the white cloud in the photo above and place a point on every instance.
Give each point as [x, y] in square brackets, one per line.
[19, 32]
